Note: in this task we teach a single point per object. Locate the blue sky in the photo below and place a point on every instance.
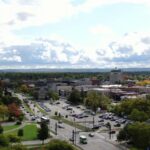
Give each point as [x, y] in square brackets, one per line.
[74, 33]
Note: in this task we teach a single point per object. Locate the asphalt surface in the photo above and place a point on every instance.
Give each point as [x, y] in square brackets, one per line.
[98, 142]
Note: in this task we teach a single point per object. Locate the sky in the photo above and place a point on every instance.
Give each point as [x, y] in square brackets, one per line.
[74, 34]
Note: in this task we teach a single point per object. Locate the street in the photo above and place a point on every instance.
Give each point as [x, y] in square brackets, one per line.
[100, 141]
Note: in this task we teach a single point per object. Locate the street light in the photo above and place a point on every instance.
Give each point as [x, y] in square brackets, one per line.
[56, 128]
[93, 121]
[74, 132]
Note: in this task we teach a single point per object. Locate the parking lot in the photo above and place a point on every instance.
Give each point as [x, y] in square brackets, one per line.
[82, 116]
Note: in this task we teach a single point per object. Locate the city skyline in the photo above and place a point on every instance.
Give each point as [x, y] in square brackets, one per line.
[74, 34]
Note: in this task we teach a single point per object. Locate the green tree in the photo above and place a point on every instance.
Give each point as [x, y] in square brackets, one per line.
[3, 140]
[43, 132]
[137, 115]
[95, 100]
[3, 111]
[74, 97]
[137, 133]
[141, 106]
[20, 132]
[13, 138]
[24, 88]
[59, 145]
[1, 129]
[53, 95]
[123, 134]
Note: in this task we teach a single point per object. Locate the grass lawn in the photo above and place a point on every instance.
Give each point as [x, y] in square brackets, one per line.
[30, 132]
[10, 127]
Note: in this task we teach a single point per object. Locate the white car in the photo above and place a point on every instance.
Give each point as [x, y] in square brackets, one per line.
[60, 126]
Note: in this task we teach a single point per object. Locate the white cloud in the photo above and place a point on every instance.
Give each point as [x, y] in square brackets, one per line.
[100, 29]
[89, 5]
[132, 50]
[14, 58]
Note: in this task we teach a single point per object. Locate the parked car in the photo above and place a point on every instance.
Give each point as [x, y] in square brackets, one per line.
[96, 127]
[57, 103]
[91, 134]
[60, 126]
[69, 108]
[117, 125]
[112, 132]
[102, 120]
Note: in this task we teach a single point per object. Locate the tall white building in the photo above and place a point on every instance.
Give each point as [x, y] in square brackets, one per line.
[116, 76]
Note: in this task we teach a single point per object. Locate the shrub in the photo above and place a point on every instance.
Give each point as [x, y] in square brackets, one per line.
[3, 140]
[13, 138]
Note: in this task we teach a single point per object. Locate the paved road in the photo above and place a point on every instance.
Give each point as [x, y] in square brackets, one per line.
[98, 142]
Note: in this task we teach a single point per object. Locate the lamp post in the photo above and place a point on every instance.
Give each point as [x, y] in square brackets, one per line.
[75, 132]
[56, 128]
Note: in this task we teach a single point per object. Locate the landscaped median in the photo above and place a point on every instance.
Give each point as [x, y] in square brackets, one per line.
[40, 109]
[28, 108]
[71, 123]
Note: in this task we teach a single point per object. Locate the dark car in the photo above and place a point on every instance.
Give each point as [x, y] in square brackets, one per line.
[96, 127]
[112, 132]
[57, 103]
[69, 108]
[117, 125]
[102, 120]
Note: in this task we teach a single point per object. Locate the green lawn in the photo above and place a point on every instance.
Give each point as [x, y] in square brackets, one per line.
[30, 132]
[10, 127]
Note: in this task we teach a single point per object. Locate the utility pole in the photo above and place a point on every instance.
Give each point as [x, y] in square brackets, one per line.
[56, 128]
[93, 121]
[73, 136]
[75, 132]
[109, 127]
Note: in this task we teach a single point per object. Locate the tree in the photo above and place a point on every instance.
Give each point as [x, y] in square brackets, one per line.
[24, 88]
[13, 138]
[3, 111]
[1, 129]
[139, 108]
[3, 140]
[95, 100]
[137, 115]
[74, 97]
[59, 145]
[43, 132]
[14, 110]
[123, 134]
[53, 95]
[6, 100]
[20, 132]
[137, 133]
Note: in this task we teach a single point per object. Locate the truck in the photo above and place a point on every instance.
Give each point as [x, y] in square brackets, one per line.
[83, 139]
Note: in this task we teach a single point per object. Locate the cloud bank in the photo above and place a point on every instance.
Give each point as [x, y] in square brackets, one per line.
[132, 50]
